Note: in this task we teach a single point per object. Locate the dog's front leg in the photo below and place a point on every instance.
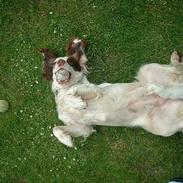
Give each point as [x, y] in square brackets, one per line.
[65, 133]
[86, 91]
[70, 102]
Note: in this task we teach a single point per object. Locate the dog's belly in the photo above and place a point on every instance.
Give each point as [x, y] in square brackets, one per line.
[101, 115]
[120, 106]
[111, 111]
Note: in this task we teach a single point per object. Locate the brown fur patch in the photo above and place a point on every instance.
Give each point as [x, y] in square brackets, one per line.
[48, 62]
[179, 55]
[76, 50]
[71, 46]
[74, 64]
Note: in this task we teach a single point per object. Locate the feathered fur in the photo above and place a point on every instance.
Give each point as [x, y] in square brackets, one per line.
[81, 104]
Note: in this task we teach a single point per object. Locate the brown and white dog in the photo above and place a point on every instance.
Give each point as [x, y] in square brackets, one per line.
[81, 104]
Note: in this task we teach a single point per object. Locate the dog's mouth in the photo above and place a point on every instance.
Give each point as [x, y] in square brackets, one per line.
[62, 76]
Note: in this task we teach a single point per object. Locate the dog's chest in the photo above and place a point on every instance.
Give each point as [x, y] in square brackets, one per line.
[66, 112]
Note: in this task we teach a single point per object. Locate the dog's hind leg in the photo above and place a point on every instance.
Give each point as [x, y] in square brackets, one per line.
[62, 136]
[65, 133]
[174, 92]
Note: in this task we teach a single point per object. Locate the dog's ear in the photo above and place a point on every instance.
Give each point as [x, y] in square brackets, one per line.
[48, 62]
[74, 45]
[48, 54]
[76, 49]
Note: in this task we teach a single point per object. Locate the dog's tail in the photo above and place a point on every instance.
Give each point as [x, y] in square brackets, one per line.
[4, 105]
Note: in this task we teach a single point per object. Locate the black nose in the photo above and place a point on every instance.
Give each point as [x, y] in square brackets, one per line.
[61, 62]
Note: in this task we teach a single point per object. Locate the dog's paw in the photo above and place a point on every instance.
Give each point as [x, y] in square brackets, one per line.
[62, 136]
[99, 93]
[78, 103]
[176, 58]
[154, 89]
[74, 102]
[72, 91]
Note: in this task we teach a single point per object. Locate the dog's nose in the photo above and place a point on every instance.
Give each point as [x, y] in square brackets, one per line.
[60, 62]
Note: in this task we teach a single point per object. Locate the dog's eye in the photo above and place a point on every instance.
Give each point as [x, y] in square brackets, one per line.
[71, 61]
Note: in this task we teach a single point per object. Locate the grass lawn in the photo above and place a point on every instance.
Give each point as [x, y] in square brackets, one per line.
[122, 35]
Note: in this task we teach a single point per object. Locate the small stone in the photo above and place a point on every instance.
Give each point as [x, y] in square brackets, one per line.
[3, 105]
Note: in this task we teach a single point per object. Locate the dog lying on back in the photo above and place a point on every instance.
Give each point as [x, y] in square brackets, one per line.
[81, 104]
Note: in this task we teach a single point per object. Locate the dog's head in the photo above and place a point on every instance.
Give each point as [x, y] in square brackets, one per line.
[176, 58]
[69, 70]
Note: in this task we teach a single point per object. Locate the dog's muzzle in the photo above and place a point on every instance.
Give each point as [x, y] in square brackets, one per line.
[63, 76]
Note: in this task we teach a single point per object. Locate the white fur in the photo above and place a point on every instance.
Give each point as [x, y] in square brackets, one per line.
[81, 104]
[163, 80]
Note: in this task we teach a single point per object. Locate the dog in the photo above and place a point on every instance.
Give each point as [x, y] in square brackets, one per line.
[82, 104]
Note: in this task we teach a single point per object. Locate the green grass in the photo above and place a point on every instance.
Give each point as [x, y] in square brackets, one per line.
[122, 35]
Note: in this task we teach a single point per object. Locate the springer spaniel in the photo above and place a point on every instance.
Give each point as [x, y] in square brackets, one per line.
[153, 102]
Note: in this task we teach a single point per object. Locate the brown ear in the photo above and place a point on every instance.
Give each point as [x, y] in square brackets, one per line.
[76, 48]
[48, 62]
[73, 47]
[84, 43]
